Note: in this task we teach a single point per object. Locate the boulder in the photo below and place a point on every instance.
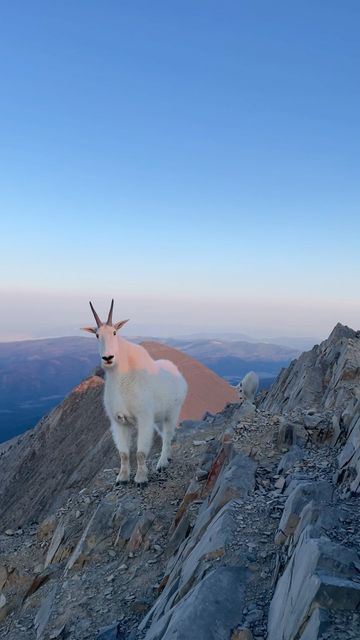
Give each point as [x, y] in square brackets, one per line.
[318, 492]
[319, 574]
[290, 459]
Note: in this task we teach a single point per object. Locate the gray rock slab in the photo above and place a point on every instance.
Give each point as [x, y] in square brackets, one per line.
[178, 535]
[290, 459]
[163, 604]
[113, 632]
[212, 545]
[98, 534]
[318, 624]
[43, 615]
[236, 480]
[208, 612]
[55, 542]
[141, 528]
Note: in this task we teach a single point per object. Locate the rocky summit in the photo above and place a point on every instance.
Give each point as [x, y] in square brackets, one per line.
[253, 533]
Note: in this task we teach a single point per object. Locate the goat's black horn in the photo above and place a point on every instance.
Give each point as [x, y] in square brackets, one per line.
[98, 321]
[109, 320]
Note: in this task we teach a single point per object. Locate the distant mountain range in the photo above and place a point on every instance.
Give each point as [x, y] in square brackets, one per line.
[35, 375]
[233, 359]
[293, 342]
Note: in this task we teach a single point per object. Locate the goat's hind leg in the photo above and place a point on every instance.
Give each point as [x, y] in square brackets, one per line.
[145, 437]
[169, 426]
[122, 438]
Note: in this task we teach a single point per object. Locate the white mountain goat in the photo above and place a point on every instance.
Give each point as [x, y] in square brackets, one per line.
[248, 387]
[140, 392]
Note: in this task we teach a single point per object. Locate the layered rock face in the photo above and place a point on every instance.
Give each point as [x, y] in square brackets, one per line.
[327, 377]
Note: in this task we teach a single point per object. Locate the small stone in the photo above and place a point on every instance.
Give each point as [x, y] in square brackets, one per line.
[77, 514]
[112, 553]
[280, 483]
[2, 600]
[123, 567]
[58, 633]
[9, 532]
[254, 616]
[241, 634]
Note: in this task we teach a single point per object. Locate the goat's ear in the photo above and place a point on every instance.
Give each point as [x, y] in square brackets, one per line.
[120, 324]
[89, 329]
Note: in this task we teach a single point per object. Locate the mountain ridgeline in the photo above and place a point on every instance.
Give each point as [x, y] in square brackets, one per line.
[36, 375]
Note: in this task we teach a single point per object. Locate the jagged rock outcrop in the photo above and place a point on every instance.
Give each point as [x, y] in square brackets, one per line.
[327, 377]
[319, 590]
[349, 457]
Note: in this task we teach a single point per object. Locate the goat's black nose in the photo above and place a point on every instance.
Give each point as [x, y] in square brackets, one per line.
[108, 358]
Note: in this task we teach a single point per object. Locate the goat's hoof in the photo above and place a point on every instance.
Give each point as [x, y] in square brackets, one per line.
[141, 485]
[141, 478]
[162, 468]
[122, 478]
[162, 465]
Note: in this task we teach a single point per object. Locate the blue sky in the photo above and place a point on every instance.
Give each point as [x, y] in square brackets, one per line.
[197, 160]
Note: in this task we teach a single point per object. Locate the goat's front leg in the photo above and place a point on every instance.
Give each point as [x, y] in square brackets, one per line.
[144, 442]
[122, 438]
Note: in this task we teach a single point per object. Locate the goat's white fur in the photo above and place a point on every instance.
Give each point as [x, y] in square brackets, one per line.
[248, 386]
[141, 392]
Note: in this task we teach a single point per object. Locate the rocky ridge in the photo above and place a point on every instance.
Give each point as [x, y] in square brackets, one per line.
[253, 533]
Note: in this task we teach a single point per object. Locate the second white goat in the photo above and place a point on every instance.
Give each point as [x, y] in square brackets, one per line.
[248, 386]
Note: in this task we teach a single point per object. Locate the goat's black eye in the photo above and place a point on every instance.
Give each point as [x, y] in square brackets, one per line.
[114, 333]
